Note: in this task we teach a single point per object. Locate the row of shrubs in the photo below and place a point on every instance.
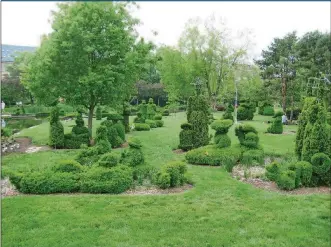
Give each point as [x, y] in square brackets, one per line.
[301, 173]
[142, 124]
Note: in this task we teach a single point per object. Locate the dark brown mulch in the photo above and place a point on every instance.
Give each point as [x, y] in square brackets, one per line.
[178, 151]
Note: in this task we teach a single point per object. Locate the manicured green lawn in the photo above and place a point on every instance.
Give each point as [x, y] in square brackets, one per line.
[218, 211]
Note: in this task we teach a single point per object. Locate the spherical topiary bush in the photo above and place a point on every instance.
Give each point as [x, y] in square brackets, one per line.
[286, 180]
[120, 130]
[163, 180]
[321, 169]
[108, 160]
[186, 137]
[159, 123]
[272, 171]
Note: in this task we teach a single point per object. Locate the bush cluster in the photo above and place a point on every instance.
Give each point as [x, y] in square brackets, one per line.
[228, 112]
[290, 176]
[266, 108]
[151, 123]
[171, 175]
[221, 139]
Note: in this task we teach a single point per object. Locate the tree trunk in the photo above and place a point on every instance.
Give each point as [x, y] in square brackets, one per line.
[292, 107]
[284, 94]
[89, 121]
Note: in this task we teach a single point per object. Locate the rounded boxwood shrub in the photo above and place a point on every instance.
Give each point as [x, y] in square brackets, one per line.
[103, 180]
[142, 127]
[151, 123]
[163, 180]
[321, 168]
[272, 171]
[68, 166]
[286, 180]
[108, 160]
[252, 157]
[135, 143]
[47, 182]
[158, 117]
[176, 170]
[159, 123]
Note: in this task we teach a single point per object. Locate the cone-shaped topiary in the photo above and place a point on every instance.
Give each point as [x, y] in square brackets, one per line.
[197, 115]
[56, 136]
[221, 127]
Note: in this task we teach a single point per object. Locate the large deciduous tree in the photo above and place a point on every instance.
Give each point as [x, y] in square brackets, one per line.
[92, 56]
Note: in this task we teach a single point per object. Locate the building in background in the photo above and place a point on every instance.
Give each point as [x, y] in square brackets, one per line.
[8, 54]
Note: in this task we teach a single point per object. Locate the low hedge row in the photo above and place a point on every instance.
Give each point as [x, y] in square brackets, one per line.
[211, 155]
[69, 177]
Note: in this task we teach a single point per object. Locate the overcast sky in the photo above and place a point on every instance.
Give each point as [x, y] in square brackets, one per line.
[24, 22]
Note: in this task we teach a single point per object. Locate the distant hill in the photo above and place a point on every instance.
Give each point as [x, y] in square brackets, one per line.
[9, 52]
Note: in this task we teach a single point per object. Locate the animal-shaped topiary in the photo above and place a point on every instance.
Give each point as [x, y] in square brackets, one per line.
[221, 127]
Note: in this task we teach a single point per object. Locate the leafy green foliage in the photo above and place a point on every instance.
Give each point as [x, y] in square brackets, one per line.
[286, 180]
[222, 140]
[306, 172]
[272, 171]
[321, 169]
[56, 137]
[104, 180]
[135, 143]
[171, 175]
[73, 61]
[68, 166]
[247, 136]
[159, 123]
[98, 113]
[142, 127]
[246, 111]
[197, 115]
[151, 123]
[108, 160]
[276, 126]
[211, 155]
[186, 138]
[158, 117]
[79, 135]
[253, 157]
